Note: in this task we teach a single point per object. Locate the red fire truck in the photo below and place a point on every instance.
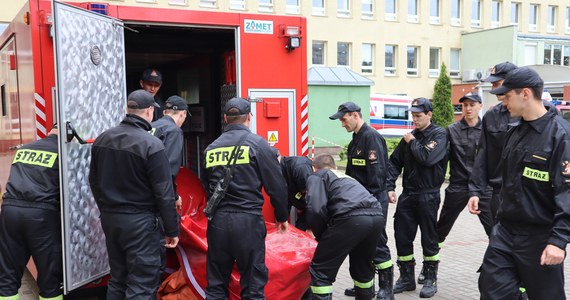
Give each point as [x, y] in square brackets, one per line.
[74, 63]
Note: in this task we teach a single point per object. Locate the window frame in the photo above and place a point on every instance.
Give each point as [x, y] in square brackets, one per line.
[454, 72]
[347, 54]
[413, 71]
[435, 19]
[414, 18]
[455, 20]
[551, 18]
[517, 6]
[367, 14]
[391, 16]
[368, 70]
[318, 11]
[265, 7]
[496, 15]
[343, 12]
[208, 3]
[293, 9]
[434, 72]
[392, 70]
[323, 45]
[476, 23]
[237, 4]
[533, 11]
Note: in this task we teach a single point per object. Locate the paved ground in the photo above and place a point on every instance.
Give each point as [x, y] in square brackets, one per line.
[460, 256]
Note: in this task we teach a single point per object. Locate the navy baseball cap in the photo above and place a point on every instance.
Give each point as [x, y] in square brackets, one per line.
[140, 99]
[242, 105]
[420, 105]
[517, 79]
[472, 97]
[500, 71]
[152, 75]
[176, 103]
[344, 108]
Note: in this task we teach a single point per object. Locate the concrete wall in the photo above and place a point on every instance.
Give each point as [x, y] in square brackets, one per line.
[486, 48]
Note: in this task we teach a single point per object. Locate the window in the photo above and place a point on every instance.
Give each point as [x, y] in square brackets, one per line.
[392, 111]
[567, 19]
[390, 60]
[495, 13]
[413, 61]
[318, 7]
[343, 8]
[457, 109]
[551, 25]
[530, 54]
[367, 58]
[475, 13]
[318, 53]
[434, 61]
[342, 54]
[367, 9]
[515, 13]
[292, 7]
[390, 10]
[175, 2]
[265, 5]
[208, 3]
[454, 59]
[533, 17]
[237, 4]
[3, 27]
[557, 54]
[456, 12]
[413, 11]
[434, 11]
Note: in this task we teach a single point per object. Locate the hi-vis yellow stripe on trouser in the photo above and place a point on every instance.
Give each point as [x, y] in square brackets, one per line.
[536, 174]
[322, 290]
[220, 156]
[35, 157]
[60, 297]
[15, 297]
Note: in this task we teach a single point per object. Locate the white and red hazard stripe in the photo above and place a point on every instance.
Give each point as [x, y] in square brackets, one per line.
[305, 126]
[41, 120]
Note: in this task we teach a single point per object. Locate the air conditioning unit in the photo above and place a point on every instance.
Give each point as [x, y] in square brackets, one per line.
[474, 75]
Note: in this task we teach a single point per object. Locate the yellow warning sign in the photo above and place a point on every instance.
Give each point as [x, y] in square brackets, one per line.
[273, 137]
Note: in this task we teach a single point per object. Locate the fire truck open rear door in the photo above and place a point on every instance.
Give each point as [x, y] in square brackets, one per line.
[91, 97]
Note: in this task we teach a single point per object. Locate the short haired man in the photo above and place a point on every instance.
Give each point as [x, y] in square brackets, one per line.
[533, 222]
[296, 170]
[422, 154]
[346, 221]
[30, 221]
[236, 232]
[131, 182]
[151, 81]
[368, 164]
[167, 129]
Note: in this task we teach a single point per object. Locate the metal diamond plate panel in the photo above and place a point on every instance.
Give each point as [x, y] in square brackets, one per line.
[91, 96]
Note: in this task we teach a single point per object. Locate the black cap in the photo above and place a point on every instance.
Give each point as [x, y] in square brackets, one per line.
[243, 106]
[420, 105]
[176, 103]
[517, 79]
[344, 108]
[152, 75]
[140, 99]
[499, 71]
[472, 97]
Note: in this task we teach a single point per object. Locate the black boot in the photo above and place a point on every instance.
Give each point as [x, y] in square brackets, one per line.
[322, 296]
[422, 276]
[350, 292]
[430, 286]
[406, 282]
[364, 294]
[385, 284]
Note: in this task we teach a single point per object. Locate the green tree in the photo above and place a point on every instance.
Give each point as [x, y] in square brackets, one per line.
[442, 108]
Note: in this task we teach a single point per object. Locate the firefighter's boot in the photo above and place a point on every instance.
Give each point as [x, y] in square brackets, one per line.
[407, 280]
[364, 293]
[421, 277]
[385, 284]
[430, 286]
[322, 296]
[350, 292]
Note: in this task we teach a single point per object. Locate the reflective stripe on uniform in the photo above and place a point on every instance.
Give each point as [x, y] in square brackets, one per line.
[322, 290]
[15, 297]
[384, 265]
[152, 131]
[220, 156]
[364, 285]
[406, 258]
[536, 174]
[432, 258]
[60, 297]
[358, 162]
[35, 157]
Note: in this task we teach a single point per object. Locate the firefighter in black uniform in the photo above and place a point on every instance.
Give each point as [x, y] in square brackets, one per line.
[533, 222]
[167, 129]
[463, 136]
[236, 232]
[151, 81]
[368, 164]
[296, 170]
[346, 220]
[132, 186]
[30, 222]
[423, 156]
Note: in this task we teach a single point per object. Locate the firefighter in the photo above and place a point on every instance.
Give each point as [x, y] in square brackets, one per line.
[368, 164]
[533, 222]
[30, 220]
[151, 81]
[167, 129]
[236, 232]
[346, 221]
[422, 154]
[296, 170]
[131, 182]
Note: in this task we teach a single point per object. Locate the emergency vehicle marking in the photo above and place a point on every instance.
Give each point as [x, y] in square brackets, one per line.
[535, 174]
[220, 156]
[35, 157]
[358, 162]
[258, 26]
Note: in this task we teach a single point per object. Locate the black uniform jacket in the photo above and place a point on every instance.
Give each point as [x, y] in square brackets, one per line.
[130, 172]
[34, 176]
[331, 194]
[463, 141]
[256, 166]
[424, 160]
[368, 159]
[296, 170]
[536, 179]
[172, 137]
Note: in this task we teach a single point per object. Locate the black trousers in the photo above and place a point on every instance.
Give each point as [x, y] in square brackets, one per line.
[512, 258]
[135, 248]
[382, 253]
[415, 210]
[236, 237]
[454, 203]
[26, 232]
[355, 236]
